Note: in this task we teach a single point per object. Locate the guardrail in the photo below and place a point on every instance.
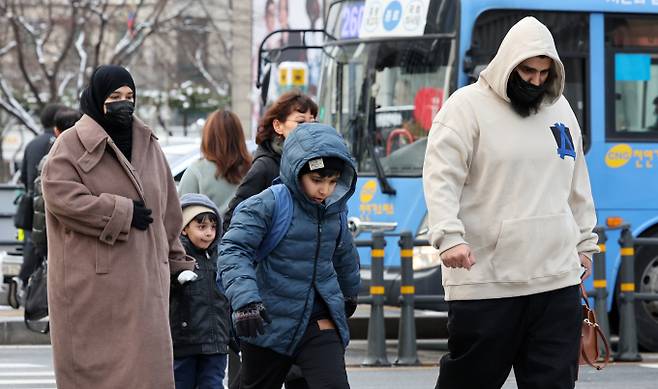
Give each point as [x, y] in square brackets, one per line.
[627, 349]
[407, 346]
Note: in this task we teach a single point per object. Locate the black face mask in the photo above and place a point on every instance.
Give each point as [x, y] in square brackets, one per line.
[524, 96]
[120, 113]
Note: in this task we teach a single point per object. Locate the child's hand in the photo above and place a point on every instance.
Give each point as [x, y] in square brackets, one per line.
[350, 306]
[250, 320]
[187, 276]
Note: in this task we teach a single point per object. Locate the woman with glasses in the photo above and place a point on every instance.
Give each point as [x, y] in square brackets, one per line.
[281, 118]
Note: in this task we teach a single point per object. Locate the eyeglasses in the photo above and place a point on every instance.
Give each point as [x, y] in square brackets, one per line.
[305, 121]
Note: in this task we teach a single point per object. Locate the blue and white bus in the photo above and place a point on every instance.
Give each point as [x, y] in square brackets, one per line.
[389, 65]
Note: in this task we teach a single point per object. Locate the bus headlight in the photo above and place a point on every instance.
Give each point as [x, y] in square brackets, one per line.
[425, 256]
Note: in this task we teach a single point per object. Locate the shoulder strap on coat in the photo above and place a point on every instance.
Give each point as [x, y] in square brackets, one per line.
[281, 218]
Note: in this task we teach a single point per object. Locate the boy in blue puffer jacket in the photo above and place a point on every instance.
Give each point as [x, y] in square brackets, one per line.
[198, 310]
[293, 305]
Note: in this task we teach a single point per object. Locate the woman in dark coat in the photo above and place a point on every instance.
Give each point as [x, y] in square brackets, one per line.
[114, 222]
[284, 115]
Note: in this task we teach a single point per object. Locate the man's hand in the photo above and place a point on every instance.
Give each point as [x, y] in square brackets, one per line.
[586, 263]
[459, 256]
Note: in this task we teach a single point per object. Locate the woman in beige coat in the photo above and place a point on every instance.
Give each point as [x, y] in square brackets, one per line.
[113, 221]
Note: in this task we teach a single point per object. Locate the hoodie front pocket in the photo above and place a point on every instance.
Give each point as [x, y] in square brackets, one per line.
[535, 247]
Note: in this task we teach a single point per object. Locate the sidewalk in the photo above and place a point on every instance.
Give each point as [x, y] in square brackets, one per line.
[429, 351]
[14, 332]
[13, 329]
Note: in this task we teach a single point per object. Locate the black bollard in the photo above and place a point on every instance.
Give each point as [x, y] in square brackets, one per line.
[627, 348]
[407, 349]
[376, 355]
[601, 288]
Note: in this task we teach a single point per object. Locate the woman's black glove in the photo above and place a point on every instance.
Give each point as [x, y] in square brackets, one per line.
[141, 216]
[350, 306]
[250, 320]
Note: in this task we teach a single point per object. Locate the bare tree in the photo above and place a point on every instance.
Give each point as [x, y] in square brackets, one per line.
[51, 46]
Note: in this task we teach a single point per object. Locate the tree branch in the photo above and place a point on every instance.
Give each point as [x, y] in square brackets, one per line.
[21, 58]
[65, 49]
[7, 48]
[15, 109]
[201, 67]
[51, 25]
[38, 44]
[101, 34]
[225, 48]
[79, 47]
[129, 44]
[65, 82]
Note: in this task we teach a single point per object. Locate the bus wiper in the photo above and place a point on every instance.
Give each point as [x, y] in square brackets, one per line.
[370, 145]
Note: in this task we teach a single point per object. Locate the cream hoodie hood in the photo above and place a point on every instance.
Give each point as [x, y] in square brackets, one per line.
[515, 189]
[526, 39]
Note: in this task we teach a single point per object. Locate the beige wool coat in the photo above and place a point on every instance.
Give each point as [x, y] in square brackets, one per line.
[108, 283]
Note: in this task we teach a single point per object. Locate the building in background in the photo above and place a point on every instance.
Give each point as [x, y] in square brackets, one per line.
[300, 68]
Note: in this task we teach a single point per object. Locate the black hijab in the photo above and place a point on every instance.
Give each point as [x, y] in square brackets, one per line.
[105, 80]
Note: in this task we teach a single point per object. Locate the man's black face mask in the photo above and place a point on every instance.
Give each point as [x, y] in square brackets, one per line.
[120, 113]
[524, 96]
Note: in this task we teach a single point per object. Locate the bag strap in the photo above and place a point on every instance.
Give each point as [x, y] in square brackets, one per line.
[606, 359]
[584, 295]
[281, 219]
[599, 334]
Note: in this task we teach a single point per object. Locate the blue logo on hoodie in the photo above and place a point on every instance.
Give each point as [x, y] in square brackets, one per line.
[564, 140]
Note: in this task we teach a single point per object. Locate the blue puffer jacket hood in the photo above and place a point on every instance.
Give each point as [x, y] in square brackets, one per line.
[316, 256]
[190, 199]
[310, 141]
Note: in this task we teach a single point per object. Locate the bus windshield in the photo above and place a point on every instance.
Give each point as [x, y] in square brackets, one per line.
[408, 80]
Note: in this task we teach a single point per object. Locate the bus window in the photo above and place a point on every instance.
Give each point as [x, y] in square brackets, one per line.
[632, 62]
[571, 33]
[409, 81]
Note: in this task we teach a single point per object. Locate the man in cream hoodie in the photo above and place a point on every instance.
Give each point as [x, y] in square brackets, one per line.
[511, 212]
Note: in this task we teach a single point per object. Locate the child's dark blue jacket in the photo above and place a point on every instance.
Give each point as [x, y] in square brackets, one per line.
[310, 256]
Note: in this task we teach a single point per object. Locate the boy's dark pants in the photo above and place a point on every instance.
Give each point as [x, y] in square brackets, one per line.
[200, 371]
[320, 355]
[538, 335]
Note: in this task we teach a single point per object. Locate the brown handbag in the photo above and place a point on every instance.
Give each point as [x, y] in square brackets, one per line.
[589, 340]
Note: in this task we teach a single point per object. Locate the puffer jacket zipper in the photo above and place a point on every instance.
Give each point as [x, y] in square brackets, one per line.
[312, 285]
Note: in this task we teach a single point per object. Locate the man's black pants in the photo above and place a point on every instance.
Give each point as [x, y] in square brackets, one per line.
[320, 355]
[537, 335]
